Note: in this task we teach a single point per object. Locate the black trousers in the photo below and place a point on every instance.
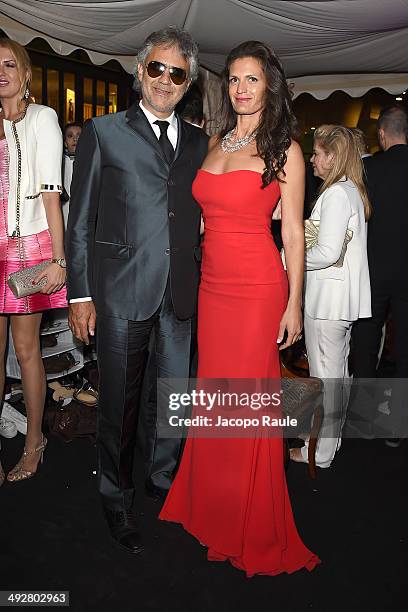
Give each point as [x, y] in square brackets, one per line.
[122, 348]
[386, 295]
[155, 450]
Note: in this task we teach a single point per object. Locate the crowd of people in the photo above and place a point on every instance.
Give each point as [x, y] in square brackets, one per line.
[170, 255]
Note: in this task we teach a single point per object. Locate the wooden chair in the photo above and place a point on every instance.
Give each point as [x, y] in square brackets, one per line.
[302, 399]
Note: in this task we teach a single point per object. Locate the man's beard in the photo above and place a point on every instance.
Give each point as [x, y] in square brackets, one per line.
[161, 109]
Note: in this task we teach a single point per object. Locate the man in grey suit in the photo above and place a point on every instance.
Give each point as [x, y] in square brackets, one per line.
[132, 252]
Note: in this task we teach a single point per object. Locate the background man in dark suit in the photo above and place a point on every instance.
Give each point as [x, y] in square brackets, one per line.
[132, 250]
[387, 182]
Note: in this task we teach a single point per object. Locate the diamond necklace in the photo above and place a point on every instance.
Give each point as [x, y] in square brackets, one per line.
[229, 146]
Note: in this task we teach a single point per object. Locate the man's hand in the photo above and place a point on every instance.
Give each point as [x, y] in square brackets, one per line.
[82, 320]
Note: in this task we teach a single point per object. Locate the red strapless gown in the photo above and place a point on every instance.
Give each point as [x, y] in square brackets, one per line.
[231, 494]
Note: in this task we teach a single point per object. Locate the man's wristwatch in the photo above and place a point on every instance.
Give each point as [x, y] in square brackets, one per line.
[60, 262]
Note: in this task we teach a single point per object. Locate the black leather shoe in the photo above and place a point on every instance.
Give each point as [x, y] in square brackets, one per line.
[156, 493]
[124, 531]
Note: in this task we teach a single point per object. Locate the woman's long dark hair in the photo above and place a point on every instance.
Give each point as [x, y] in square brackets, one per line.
[277, 125]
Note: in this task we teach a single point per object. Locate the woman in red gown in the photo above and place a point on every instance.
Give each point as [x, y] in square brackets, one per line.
[231, 493]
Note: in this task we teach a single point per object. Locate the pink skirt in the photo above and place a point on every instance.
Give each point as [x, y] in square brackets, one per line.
[35, 249]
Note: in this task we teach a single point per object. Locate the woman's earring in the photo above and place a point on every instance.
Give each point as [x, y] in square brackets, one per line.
[26, 94]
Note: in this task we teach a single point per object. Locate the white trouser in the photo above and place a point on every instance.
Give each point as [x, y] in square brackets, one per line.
[328, 345]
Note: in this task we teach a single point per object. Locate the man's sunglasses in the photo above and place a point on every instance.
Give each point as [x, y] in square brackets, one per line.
[177, 75]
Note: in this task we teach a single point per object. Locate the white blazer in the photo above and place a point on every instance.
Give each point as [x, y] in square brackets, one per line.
[331, 293]
[37, 141]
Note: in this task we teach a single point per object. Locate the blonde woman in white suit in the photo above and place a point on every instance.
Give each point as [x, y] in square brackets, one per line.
[335, 294]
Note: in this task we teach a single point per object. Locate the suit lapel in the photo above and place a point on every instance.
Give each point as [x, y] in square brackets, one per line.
[183, 137]
[137, 121]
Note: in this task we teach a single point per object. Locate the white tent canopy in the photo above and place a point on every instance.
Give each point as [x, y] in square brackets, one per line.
[323, 44]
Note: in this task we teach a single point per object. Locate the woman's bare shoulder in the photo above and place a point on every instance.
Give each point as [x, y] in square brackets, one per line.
[295, 161]
[294, 151]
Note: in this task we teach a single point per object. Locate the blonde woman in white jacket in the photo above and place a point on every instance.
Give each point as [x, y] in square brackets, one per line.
[336, 294]
[31, 231]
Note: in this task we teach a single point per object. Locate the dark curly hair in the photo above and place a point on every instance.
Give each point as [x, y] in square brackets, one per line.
[277, 124]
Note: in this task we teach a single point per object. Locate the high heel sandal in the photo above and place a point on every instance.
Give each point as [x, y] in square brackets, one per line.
[18, 472]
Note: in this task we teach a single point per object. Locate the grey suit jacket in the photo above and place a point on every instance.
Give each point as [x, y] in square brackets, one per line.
[133, 220]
